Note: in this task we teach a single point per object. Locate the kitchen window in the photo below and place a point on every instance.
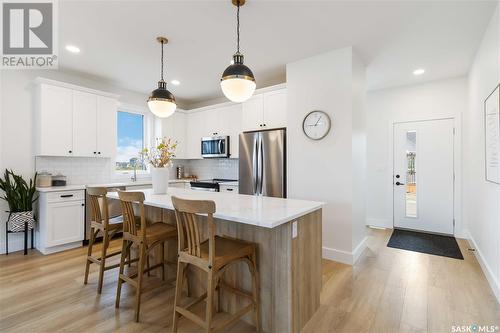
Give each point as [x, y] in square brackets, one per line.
[131, 129]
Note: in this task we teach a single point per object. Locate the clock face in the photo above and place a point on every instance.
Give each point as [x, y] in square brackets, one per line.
[316, 125]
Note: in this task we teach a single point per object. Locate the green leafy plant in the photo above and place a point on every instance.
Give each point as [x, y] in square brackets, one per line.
[19, 195]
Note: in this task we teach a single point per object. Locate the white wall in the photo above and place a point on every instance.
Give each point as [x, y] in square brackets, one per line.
[481, 198]
[325, 170]
[16, 120]
[438, 99]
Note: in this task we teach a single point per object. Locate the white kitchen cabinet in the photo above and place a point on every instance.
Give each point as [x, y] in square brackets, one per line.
[224, 120]
[229, 189]
[265, 111]
[84, 124]
[106, 126]
[61, 220]
[195, 130]
[253, 113]
[74, 121]
[174, 127]
[275, 109]
[54, 121]
[230, 123]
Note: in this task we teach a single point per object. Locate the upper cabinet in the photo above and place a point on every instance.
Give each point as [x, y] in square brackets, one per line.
[174, 127]
[73, 122]
[217, 121]
[265, 111]
[54, 121]
[84, 124]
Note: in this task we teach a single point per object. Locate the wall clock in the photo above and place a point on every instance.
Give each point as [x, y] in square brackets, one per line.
[316, 125]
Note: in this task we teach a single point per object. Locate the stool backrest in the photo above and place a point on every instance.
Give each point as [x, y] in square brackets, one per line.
[189, 234]
[97, 213]
[128, 199]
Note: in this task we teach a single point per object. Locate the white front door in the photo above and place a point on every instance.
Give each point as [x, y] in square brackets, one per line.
[423, 176]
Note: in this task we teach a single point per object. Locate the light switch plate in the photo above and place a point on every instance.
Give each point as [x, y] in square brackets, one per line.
[294, 229]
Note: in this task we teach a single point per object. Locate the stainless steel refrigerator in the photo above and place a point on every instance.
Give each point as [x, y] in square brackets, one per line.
[262, 166]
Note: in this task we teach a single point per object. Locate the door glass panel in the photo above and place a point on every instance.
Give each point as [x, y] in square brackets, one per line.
[411, 174]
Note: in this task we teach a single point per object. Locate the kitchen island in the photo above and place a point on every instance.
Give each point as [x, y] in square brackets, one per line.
[288, 235]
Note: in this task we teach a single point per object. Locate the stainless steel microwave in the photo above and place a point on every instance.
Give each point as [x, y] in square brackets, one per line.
[215, 147]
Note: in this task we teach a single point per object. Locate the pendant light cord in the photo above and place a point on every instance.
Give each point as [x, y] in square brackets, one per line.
[238, 27]
[162, 44]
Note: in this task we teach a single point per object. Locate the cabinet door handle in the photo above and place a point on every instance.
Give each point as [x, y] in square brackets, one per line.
[95, 152]
[229, 189]
[70, 151]
[66, 195]
[83, 205]
[99, 153]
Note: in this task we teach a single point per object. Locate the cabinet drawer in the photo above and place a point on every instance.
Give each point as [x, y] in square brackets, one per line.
[64, 196]
[229, 189]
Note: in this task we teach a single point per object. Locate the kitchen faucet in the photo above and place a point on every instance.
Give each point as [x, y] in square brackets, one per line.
[134, 176]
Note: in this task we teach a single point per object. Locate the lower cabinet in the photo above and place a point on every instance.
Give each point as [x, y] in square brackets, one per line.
[61, 220]
[229, 189]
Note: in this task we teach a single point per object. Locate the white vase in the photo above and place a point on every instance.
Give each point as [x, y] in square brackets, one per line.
[160, 180]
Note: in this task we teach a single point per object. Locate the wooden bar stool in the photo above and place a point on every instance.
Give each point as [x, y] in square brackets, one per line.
[213, 256]
[100, 222]
[146, 238]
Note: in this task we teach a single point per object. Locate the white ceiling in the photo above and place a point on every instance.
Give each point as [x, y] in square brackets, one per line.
[117, 39]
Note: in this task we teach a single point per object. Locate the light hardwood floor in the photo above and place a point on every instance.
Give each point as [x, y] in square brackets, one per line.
[388, 290]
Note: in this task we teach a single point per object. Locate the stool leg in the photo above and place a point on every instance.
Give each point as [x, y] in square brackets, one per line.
[89, 254]
[32, 238]
[125, 247]
[210, 300]
[178, 292]
[105, 243]
[162, 260]
[6, 241]
[25, 238]
[140, 273]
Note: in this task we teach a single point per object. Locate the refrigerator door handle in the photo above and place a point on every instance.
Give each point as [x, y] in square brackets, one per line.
[261, 164]
[255, 158]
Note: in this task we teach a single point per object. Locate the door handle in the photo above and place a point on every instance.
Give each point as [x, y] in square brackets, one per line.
[261, 163]
[255, 157]
[399, 184]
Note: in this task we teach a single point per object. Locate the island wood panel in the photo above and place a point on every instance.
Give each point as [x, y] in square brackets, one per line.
[290, 270]
[306, 269]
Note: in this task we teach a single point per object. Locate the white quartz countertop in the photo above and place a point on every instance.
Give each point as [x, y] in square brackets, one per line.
[264, 212]
[75, 187]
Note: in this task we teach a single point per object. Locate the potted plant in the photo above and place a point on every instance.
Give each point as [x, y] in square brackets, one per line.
[20, 197]
[160, 158]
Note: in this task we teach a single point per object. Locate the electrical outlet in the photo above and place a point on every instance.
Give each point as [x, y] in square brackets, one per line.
[294, 229]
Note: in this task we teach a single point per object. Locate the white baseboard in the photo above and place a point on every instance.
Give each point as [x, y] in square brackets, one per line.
[492, 280]
[345, 257]
[358, 250]
[380, 223]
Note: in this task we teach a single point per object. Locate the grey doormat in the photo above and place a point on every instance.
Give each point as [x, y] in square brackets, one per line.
[439, 245]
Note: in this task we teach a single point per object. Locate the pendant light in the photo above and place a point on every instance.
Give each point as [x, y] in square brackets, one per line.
[238, 82]
[162, 102]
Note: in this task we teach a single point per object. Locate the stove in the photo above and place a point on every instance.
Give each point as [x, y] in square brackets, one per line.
[212, 185]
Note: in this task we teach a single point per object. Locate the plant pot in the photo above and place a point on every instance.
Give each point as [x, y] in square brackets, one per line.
[17, 221]
[160, 180]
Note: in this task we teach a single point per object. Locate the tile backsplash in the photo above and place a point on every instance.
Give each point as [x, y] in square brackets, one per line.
[91, 170]
[210, 168]
[78, 170]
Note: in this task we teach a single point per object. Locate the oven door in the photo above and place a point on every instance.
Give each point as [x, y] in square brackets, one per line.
[215, 147]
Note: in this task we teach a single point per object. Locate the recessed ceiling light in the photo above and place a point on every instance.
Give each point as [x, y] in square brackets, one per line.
[419, 71]
[175, 82]
[72, 49]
